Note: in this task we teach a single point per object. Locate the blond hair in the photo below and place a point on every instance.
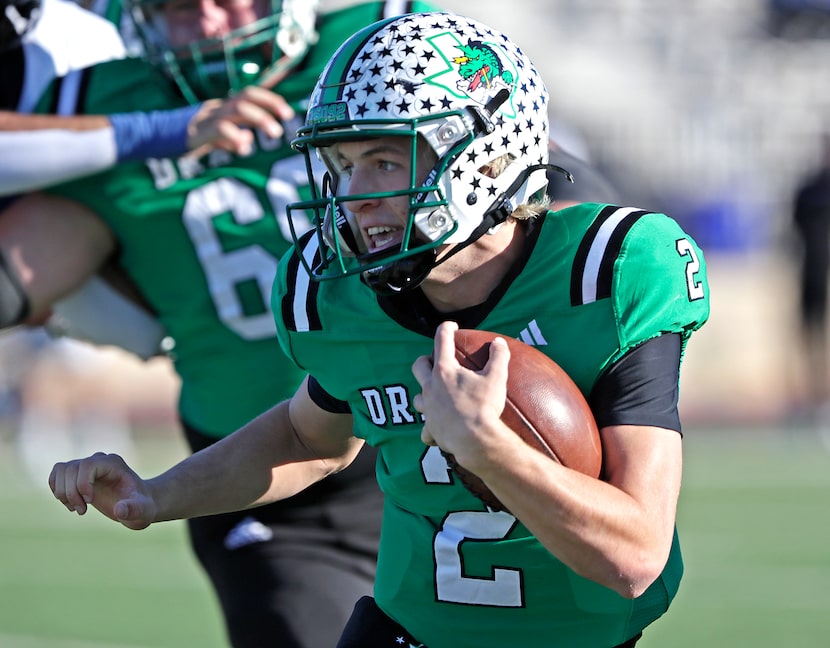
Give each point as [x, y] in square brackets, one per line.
[536, 207]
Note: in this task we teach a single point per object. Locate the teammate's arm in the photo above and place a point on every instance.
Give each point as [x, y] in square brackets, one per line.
[278, 454]
[49, 245]
[43, 150]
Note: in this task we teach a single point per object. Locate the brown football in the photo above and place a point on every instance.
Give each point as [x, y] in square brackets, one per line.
[544, 407]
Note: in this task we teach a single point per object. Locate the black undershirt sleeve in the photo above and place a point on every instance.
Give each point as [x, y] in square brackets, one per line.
[641, 388]
[324, 400]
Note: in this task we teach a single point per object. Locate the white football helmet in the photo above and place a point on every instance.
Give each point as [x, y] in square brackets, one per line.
[460, 86]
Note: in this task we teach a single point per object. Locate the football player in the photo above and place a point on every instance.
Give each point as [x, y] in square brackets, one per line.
[36, 49]
[200, 237]
[433, 130]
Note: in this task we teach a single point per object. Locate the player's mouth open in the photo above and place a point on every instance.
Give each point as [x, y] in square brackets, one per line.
[382, 237]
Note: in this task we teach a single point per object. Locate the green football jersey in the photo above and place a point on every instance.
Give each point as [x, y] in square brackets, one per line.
[202, 238]
[599, 281]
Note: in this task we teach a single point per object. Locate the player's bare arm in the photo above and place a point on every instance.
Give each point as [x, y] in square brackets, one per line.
[52, 245]
[13, 121]
[278, 454]
[616, 531]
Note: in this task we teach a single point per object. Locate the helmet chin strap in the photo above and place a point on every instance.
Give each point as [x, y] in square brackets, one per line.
[400, 276]
[409, 273]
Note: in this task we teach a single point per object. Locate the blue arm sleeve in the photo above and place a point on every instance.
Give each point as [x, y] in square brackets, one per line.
[34, 159]
[158, 134]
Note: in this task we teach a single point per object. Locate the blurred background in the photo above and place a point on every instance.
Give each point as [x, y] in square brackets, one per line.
[712, 111]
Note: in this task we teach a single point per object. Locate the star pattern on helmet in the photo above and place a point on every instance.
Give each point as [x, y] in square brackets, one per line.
[420, 67]
[400, 59]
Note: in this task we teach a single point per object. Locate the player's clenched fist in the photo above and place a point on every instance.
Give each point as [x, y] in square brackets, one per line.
[107, 483]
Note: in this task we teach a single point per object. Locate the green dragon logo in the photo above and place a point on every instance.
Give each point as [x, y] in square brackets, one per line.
[474, 70]
[480, 67]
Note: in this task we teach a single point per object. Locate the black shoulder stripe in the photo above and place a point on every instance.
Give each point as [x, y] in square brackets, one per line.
[612, 251]
[593, 267]
[299, 305]
[581, 258]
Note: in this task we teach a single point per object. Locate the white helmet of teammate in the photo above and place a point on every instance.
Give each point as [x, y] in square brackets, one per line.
[464, 89]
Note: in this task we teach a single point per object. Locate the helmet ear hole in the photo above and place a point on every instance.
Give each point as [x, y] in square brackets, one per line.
[495, 167]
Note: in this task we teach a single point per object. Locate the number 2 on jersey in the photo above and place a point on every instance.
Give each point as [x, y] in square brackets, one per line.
[504, 587]
[693, 286]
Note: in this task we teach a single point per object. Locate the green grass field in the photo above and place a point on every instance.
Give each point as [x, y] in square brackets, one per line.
[754, 523]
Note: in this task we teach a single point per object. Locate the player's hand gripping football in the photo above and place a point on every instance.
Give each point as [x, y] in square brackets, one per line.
[462, 407]
[107, 483]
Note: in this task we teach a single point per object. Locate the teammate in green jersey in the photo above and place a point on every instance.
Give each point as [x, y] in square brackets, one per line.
[433, 130]
[200, 237]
